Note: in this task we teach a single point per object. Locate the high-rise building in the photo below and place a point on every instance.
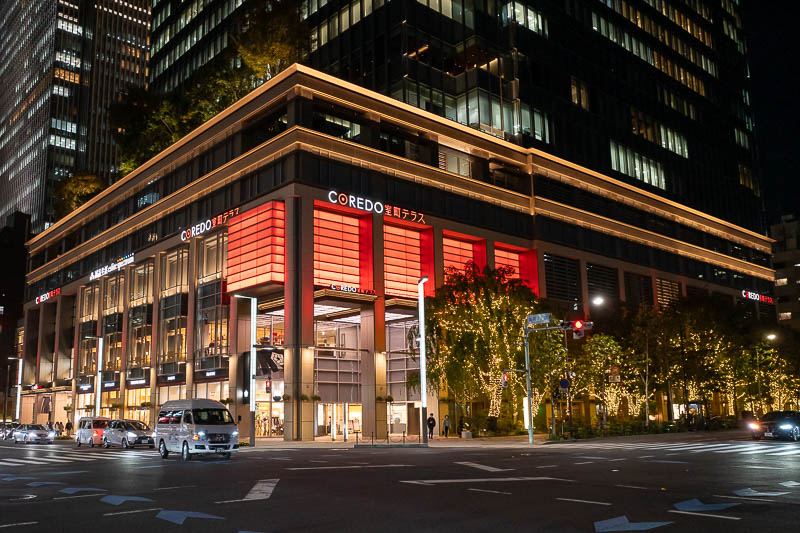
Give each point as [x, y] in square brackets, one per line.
[653, 92]
[62, 64]
[186, 35]
[786, 259]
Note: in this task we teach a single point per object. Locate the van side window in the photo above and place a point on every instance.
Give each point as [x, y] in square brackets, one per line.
[163, 417]
[187, 417]
[175, 417]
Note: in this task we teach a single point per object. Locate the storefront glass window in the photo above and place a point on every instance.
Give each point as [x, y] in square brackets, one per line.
[337, 361]
[212, 305]
[112, 321]
[134, 400]
[173, 311]
[140, 315]
[87, 317]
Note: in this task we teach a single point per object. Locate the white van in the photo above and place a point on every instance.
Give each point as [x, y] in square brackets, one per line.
[193, 427]
[90, 430]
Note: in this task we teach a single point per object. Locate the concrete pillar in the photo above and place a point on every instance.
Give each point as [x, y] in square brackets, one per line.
[46, 347]
[154, 344]
[98, 384]
[584, 281]
[299, 313]
[123, 364]
[234, 383]
[540, 270]
[191, 318]
[373, 369]
[438, 256]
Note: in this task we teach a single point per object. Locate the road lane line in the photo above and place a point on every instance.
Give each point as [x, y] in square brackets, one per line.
[585, 463]
[582, 501]
[482, 467]
[51, 460]
[759, 467]
[80, 496]
[744, 498]
[19, 524]
[24, 461]
[343, 467]
[483, 480]
[705, 514]
[632, 487]
[172, 488]
[132, 512]
[490, 491]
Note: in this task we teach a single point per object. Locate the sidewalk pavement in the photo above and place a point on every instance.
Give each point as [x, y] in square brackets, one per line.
[516, 441]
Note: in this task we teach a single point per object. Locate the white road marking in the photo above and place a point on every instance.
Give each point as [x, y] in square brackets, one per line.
[482, 467]
[19, 524]
[743, 498]
[80, 496]
[343, 467]
[482, 480]
[262, 490]
[585, 463]
[547, 466]
[740, 448]
[24, 461]
[788, 452]
[172, 488]
[759, 467]
[582, 501]
[632, 487]
[705, 514]
[132, 512]
[490, 491]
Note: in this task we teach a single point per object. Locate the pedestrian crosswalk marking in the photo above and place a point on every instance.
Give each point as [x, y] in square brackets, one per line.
[684, 448]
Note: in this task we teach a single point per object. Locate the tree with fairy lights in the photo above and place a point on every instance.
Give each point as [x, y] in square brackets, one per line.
[474, 326]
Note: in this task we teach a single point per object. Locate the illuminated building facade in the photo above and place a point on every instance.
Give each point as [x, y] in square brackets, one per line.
[63, 63]
[328, 202]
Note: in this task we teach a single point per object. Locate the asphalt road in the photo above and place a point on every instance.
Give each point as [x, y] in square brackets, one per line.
[588, 486]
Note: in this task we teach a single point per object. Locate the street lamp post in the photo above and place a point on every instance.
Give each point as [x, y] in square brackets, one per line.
[252, 391]
[528, 384]
[423, 388]
[8, 377]
[98, 378]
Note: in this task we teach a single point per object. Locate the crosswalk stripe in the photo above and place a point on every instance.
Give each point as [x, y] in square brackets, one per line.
[742, 448]
[711, 447]
[23, 461]
[788, 452]
[51, 460]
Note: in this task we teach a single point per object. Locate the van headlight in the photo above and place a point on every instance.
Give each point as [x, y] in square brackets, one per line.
[786, 426]
[200, 435]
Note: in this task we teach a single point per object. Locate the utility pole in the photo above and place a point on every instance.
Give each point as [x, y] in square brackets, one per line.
[5, 394]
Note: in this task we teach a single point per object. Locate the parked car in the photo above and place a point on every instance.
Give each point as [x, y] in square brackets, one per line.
[90, 430]
[6, 429]
[29, 433]
[127, 434]
[777, 425]
[193, 427]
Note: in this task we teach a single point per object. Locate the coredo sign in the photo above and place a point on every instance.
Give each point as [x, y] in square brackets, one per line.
[351, 289]
[750, 295]
[46, 296]
[356, 202]
[207, 225]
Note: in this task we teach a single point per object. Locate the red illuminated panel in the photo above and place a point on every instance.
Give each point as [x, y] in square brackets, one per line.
[508, 258]
[402, 260]
[256, 246]
[336, 246]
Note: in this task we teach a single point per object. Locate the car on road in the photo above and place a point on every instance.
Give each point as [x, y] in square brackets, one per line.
[6, 429]
[192, 427]
[777, 425]
[90, 430]
[28, 433]
[127, 434]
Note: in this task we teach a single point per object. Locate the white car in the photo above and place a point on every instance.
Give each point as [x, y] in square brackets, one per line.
[28, 433]
[192, 427]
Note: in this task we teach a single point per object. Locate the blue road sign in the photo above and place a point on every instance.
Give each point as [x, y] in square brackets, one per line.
[43, 483]
[564, 383]
[73, 490]
[697, 505]
[117, 500]
[541, 318]
[178, 517]
[621, 523]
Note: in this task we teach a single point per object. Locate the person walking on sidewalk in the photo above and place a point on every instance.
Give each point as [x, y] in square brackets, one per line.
[431, 425]
[446, 425]
[68, 427]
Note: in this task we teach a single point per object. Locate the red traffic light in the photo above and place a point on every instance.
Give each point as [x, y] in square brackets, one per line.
[577, 325]
[505, 379]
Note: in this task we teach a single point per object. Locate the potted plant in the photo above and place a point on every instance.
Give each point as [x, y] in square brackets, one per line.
[379, 398]
[316, 398]
[145, 405]
[286, 397]
[226, 401]
[88, 407]
[305, 398]
[68, 408]
[389, 399]
[277, 398]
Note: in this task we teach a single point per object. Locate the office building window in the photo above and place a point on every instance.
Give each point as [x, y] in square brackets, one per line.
[626, 161]
[579, 92]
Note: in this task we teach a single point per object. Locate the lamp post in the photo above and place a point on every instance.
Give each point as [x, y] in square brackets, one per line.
[252, 391]
[98, 378]
[8, 376]
[423, 387]
[769, 337]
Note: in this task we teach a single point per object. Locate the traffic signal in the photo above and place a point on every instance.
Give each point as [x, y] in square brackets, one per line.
[505, 379]
[268, 383]
[577, 329]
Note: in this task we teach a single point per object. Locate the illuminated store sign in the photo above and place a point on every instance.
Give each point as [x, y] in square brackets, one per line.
[356, 202]
[365, 204]
[46, 296]
[354, 290]
[119, 264]
[757, 297]
[207, 225]
[137, 382]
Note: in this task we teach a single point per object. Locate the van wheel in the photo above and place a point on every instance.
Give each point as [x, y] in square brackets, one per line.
[185, 455]
[162, 450]
[125, 444]
[106, 443]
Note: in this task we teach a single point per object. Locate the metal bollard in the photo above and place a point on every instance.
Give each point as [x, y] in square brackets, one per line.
[404, 438]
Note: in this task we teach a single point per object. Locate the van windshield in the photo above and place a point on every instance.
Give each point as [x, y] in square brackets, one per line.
[99, 424]
[137, 426]
[212, 417]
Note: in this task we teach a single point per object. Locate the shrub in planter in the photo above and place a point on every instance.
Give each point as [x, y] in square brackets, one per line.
[305, 398]
[286, 397]
[389, 399]
[316, 398]
[277, 398]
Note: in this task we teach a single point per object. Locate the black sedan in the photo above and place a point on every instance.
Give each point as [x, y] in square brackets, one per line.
[777, 425]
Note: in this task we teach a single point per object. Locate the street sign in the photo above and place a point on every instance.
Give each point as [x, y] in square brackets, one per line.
[564, 383]
[613, 375]
[541, 318]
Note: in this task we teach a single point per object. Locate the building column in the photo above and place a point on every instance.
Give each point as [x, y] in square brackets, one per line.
[438, 256]
[234, 385]
[584, 281]
[191, 319]
[154, 344]
[123, 363]
[299, 316]
[98, 384]
[539, 267]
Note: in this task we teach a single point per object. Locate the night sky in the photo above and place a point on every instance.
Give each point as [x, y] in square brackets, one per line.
[772, 38]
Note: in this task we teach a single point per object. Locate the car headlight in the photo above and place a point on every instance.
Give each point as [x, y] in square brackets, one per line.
[786, 426]
[752, 425]
[51, 434]
[131, 435]
[235, 433]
